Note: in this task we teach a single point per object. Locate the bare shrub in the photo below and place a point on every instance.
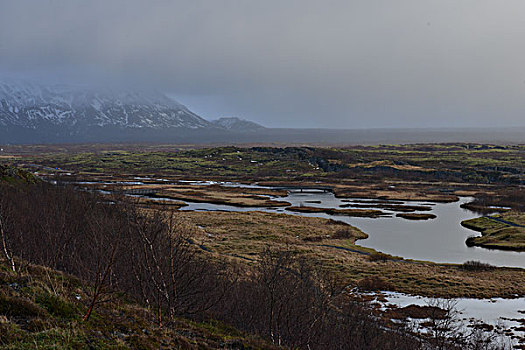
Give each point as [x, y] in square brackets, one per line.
[112, 247]
[6, 249]
[374, 283]
[342, 234]
[445, 329]
[473, 265]
[294, 304]
[168, 273]
[378, 256]
[313, 239]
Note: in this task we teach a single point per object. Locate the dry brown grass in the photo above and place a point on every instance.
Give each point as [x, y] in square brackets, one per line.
[241, 197]
[222, 195]
[244, 235]
[155, 203]
[398, 194]
[403, 190]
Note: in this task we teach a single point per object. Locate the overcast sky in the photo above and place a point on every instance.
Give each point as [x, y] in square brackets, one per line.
[304, 63]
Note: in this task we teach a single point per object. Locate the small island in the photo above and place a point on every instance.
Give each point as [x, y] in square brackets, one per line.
[413, 216]
[505, 231]
[369, 213]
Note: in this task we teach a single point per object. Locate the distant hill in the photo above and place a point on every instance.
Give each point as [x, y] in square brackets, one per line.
[237, 124]
[61, 111]
[34, 113]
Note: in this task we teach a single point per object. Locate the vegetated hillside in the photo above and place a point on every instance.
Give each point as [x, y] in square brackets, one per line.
[45, 308]
[42, 308]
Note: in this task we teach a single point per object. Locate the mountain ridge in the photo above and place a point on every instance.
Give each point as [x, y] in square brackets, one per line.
[32, 113]
[34, 106]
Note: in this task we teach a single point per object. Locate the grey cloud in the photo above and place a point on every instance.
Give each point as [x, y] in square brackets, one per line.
[288, 63]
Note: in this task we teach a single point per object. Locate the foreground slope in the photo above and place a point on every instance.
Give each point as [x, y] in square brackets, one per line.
[42, 308]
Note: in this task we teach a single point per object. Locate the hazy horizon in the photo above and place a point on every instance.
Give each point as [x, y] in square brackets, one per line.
[287, 64]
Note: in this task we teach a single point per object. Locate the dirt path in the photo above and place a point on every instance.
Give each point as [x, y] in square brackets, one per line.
[505, 221]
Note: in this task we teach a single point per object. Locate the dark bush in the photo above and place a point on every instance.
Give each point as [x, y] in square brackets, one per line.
[378, 256]
[57, 306]
[313, 239]
[342, 234]
[18, 307]
[473, 265]
[374, 283]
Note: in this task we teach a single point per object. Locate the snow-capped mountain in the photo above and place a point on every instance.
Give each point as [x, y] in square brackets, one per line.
[73, 109]
[237, 124]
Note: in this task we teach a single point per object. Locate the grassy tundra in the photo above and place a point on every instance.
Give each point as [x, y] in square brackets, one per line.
[504, 231]
[258, 272]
